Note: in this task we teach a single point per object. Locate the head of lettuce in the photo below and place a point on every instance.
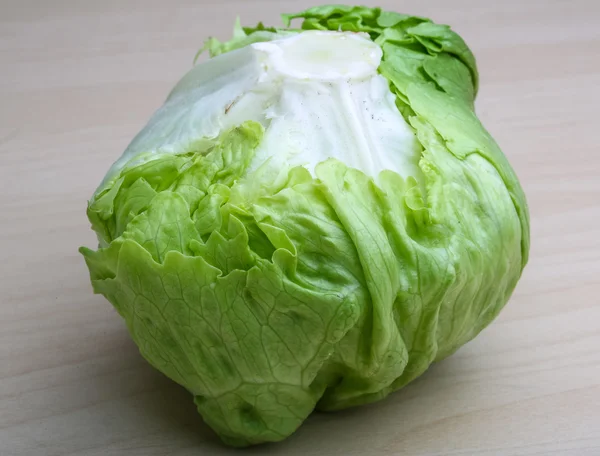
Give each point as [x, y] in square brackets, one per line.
[312, 218]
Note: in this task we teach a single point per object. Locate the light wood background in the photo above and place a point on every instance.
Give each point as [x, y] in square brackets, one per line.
[79, 78]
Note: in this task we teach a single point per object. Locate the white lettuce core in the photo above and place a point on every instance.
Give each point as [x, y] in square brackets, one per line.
[323, 56]
[318, 95]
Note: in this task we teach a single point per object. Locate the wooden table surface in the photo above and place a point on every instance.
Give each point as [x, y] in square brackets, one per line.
[79, 78]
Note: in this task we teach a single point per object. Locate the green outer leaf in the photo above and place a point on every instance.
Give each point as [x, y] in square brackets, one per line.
[136, 186]
[439, 38]
[247, 336]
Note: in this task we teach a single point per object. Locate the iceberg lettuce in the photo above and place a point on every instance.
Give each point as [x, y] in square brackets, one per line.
[311, 219]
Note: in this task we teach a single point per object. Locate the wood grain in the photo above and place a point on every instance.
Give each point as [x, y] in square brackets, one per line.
[79, 78]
